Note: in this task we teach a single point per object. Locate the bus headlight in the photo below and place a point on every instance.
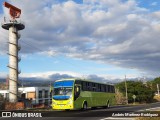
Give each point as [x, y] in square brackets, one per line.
[53, 102]
[70, 102]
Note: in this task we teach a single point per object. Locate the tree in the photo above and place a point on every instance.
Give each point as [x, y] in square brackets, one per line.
[142, 92]
[153, 84]
[120, 99]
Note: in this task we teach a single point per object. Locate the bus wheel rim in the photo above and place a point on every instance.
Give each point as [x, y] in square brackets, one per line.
[85, 106]
[108, 105]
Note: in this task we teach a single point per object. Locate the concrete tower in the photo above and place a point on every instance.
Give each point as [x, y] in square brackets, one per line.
[13, 26]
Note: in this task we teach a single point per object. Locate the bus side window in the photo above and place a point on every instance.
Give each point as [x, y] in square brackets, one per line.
[90, 86]
[99, 88]
[113, 89]
[107, 88]
[102, 88]
[110, 88]
[96, 87]
[84, 87]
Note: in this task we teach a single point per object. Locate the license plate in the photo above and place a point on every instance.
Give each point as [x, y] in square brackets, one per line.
[61, 105]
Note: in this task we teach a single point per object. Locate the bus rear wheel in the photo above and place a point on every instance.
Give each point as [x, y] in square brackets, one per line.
[107, 105]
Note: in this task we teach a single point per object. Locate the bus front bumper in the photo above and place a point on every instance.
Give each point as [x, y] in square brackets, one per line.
[62, 106]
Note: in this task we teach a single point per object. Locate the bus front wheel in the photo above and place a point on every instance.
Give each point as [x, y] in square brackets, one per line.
[84, 106]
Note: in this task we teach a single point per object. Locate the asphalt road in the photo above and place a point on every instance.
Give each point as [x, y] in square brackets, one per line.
[118, 112]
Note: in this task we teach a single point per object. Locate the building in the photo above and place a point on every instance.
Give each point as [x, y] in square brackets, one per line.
[4, 93]
[37, 95]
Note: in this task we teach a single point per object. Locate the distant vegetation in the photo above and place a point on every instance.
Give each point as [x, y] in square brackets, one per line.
[144, 92]
[153, 84]
[26, 83]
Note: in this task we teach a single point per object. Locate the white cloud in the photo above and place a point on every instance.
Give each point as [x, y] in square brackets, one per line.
[3, 75]
[54, 75]
[49, 53]
[46, 75]
[154, 3]
[111, 31]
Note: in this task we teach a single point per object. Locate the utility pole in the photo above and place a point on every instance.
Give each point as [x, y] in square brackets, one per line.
[126, 90]
[158, 89]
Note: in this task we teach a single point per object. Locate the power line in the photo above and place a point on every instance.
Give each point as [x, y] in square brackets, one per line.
[62, 60]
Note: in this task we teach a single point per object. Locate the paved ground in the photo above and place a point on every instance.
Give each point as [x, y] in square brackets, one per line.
[116, 113]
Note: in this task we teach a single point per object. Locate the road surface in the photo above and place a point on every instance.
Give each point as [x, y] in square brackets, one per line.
[115, 112]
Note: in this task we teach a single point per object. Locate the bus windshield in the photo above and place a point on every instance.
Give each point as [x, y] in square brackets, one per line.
[63, 91]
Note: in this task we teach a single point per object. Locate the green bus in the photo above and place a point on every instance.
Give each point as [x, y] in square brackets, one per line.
[81, 94]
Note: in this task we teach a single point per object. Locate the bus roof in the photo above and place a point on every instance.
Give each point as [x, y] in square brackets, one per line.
[87, 80]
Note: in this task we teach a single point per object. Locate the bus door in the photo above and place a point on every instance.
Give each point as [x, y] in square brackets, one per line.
[76, 91]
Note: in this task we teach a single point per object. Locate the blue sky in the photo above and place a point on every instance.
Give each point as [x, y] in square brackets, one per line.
[152, 5]
[1, 2]
[107, 39]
